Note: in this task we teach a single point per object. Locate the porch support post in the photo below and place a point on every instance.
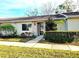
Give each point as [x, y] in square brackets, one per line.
[44, 27]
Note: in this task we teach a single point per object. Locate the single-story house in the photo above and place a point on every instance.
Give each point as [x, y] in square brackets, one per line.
[37, 24]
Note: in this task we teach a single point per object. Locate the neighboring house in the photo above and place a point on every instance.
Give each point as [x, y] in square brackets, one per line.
[37, 24]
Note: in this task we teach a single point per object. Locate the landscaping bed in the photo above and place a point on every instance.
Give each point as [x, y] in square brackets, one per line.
[74, 43]
[19, 39]
[25, 52]
[9, 33]
[62, 37]
[15, 39]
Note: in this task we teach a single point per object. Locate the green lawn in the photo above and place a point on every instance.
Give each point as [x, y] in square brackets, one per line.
[22, 52]
[16, 39]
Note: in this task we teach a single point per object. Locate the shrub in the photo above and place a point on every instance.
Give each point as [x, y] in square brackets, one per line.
[7, 30]
[50, 25]
[27, 34]
[60, 37]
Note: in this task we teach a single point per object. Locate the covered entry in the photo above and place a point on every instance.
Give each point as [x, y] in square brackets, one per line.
[40, 28]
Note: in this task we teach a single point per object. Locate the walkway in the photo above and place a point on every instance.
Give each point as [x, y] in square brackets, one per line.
[30, 43]
[33, 43]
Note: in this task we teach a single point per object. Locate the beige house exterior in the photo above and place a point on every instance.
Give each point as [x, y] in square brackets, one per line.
[73, 24]
[37, 24]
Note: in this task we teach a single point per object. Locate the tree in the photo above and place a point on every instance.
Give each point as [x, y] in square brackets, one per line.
[47, 9]
[32, 12]
[7, 29]
[67, 6]
[50, 25]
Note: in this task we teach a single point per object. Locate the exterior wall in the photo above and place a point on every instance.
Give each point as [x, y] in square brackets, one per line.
[33, 28]
[61, 26]
[73, 24]
[18, 27]
[70, 25]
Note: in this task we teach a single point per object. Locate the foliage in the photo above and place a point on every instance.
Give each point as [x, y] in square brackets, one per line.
[68, 6]
[22, 52]
[61, 37]
[47, 8]
[59, 22]
[50, 25]
[7, 29]
[33, 36]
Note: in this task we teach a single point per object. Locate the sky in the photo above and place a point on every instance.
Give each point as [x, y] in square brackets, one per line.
[18, 8]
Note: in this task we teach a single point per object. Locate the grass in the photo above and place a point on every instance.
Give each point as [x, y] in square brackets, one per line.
[44, 41]
[15, 39]
[25, 52]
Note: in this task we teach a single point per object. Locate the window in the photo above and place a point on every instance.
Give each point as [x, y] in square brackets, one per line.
[29, 25]
[25, 27]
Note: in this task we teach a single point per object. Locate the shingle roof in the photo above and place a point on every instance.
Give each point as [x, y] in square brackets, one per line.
[33, 17]
[59, 16]
[56, 16]
[22, 18]
[72, 13]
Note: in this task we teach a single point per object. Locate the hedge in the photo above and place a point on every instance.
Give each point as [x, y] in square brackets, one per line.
[61, 37]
